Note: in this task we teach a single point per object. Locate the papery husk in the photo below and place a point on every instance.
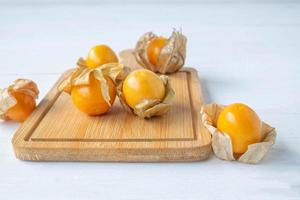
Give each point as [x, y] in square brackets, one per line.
[221, 142]
[81, 76]
[150, 108]
[171, 57]
[7, 100]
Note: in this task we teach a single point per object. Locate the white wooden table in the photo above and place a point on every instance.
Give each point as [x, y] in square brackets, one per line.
[244, 53]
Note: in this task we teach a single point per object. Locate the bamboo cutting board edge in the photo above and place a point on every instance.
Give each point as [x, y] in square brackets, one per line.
[25, 150]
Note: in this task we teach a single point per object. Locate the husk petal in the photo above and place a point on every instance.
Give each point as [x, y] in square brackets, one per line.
[6, 102]
[172, 56]
[140, 51]
[221, 142]
[25, 86]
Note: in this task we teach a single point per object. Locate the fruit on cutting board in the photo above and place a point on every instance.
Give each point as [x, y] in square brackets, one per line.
[154, 49]
[92, 85]
[89, 98]
[18, 100]
[142, 85]
[242, 124]
[99, 55]
[161, 54]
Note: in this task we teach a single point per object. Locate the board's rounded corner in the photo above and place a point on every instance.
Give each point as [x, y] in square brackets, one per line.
[203, 151]
[19, 151]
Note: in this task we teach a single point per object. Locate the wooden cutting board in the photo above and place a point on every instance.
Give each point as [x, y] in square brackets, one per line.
[57, 131]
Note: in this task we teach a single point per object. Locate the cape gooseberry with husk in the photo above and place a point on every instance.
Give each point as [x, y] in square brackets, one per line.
[242, 124]
[93, 91]
[146, 94]
[142, 84]
[160, 54]
[18, 100]
[99, 55]
[89, 98]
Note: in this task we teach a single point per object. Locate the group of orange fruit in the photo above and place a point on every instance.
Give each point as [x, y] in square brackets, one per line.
[138, 85]
[239, 121]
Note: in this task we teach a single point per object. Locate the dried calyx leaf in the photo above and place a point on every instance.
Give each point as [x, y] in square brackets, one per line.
[221, 142]
[171, 57]
[149, 108]
[7, 100]
[81, 76]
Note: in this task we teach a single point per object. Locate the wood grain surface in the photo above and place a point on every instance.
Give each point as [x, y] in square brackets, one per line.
[57, 131]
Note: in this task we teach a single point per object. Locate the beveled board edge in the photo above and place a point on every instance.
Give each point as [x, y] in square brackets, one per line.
[24, 149]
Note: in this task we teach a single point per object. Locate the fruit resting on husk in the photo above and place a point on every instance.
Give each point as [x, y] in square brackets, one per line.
[222, 144]
[149, 108]
[23, 89]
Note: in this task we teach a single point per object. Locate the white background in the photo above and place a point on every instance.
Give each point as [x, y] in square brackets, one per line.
[244, 51]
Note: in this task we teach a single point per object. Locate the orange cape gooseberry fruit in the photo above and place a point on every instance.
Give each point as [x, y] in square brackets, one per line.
[154, 48]
[89, 99]
[142, 85]
[242, 124]
[18, 100]
[93, 91]
[99, 55]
